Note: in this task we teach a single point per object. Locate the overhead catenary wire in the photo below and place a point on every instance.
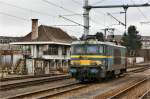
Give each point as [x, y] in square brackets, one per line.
[27, 9]
[98, 2]
[65, 25]
[77, 2]
[71, 14]
[71, 21]
[20, 18]
[140, 11]
[91, 19]
[61, 7]
[58, 6]
[147, 2]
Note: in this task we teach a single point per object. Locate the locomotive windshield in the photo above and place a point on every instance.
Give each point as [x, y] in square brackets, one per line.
[78, 49]
[92, 49]
[87, 49]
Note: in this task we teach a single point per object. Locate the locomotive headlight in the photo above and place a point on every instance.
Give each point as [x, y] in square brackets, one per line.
[103, 62]
[96, 63]
[75, 63]
[94, 70]
[99, 62]
[93, 63]
[71, 62]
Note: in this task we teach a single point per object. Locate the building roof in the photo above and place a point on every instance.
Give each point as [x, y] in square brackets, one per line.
[48, 34]
[118, 38]
[7, 39]
[145, 38]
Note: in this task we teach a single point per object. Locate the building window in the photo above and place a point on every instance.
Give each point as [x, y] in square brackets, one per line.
[64, 50]
[52, 50]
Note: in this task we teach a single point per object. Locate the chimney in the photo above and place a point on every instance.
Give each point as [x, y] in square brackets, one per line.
[34, 34]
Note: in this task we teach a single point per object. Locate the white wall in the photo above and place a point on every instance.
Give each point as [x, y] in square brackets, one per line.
[137, 60]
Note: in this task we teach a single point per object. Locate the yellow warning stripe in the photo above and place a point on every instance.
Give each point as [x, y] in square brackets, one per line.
[90, 56]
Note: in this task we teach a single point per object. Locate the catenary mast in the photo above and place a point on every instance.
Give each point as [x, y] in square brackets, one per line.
[87, 9]
[86, 18]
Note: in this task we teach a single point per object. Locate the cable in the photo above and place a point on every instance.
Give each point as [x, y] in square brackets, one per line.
[74, 32]
[59, 6]
[3, 13]
[65, 9]
[98, 2]
[64, 25]
[26, 9]
[77, 2]
[89, 17]
[72, 15]
[51, 3]
[140, 11]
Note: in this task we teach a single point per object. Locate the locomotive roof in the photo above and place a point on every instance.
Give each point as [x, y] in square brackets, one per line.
[97, 42]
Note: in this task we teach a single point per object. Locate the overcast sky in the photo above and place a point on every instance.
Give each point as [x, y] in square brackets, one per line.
[16, 15]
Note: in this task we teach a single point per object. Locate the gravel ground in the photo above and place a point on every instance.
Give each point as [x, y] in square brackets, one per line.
[136, 92]
[104, 86]
[147, 96]
[89, 92]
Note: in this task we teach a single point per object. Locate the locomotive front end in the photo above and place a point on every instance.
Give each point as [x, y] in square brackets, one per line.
[87, 61]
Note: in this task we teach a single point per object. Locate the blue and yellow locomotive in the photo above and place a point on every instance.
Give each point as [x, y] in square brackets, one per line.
[93, 59]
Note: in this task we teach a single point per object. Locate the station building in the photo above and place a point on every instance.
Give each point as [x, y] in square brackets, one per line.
[45, 49]
[9, 54]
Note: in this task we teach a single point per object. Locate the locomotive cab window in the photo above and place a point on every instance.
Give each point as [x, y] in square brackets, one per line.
[101, 49]
[78, 49]
[92, 49]
[87, 49]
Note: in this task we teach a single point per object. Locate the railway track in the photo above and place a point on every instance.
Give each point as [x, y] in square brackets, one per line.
[140, 69]
[146, 95]
[123, 92]
[26, 77]
[128, 91]
[140, 81]
[49, 92]
[30, 82]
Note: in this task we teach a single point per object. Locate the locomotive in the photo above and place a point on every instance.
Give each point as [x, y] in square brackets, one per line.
[93, 59]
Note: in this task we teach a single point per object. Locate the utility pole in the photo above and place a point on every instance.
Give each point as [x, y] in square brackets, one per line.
[87, 9]
[125, 9]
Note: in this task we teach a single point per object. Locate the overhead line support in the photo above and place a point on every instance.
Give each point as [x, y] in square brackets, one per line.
[118, 6]
[87, 9]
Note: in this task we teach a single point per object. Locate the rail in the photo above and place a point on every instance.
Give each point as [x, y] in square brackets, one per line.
[128, 88]
[26, 77]
[145, 95]
[31, 82]
[49, 92]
